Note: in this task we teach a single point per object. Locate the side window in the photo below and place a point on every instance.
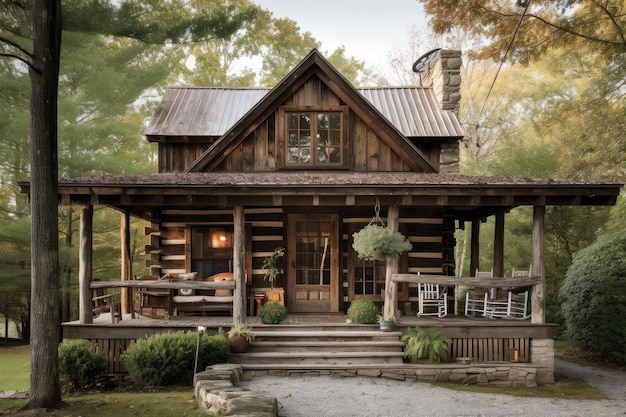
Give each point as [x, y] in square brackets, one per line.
[211, 250]
[314, 139]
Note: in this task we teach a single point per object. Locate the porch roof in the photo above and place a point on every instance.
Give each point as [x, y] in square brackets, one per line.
[468, 195]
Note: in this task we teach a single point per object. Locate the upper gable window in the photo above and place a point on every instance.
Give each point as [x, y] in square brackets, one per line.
[314, 138]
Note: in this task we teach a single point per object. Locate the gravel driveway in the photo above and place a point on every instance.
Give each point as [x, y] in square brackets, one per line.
[317, 396]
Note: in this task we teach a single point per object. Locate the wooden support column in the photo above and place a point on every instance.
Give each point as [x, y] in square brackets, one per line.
[85, 265]
[390, 306]
[538, 299]
[126, 261]
[498, 246]
[239, 265]
[475, 248]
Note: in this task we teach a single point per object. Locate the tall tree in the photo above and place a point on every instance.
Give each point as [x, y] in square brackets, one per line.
[37, 47]
[45, 390]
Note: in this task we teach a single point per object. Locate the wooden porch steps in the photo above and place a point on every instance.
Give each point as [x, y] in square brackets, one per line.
[292, 348]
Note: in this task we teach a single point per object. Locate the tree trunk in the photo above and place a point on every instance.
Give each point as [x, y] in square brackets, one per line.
[45, 389]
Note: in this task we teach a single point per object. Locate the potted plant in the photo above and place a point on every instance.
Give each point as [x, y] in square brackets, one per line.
[377, 243]
[239, 338]
[425, 343]
[273, 312]
[386, 324]
[273, 265]
[362, 312]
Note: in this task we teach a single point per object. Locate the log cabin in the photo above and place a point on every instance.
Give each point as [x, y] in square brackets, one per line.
[304, 165]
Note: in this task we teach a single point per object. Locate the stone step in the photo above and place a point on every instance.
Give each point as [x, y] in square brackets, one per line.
[279, 359]
[310, 345]
[330, 335]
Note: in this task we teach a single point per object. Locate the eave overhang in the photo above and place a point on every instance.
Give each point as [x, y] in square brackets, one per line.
[468, 197]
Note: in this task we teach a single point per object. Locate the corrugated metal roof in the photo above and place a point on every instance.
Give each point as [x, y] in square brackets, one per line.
[197, 111]
[192, 111]
[414, 111]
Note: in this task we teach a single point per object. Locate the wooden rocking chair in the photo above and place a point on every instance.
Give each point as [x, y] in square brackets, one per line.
[104, 302]
[476, 298]
[431, 301]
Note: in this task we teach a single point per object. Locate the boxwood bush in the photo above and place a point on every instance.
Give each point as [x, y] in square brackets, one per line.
[363, 312]
[168, 359]
[594, 294]
[79, 364]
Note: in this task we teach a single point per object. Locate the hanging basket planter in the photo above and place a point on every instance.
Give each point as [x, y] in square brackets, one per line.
[377, 243]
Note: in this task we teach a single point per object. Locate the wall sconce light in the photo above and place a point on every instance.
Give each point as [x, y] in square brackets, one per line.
[221, 239]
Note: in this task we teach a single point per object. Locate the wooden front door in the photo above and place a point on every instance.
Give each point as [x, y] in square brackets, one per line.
[313, 268]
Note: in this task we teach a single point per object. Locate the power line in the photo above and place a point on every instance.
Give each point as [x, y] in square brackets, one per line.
[525, 4]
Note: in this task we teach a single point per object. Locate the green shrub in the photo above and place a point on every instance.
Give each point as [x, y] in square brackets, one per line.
[167, 359]
[363, 312]
[425, 343]
[273, 312]
[80, 364]
[594, 299]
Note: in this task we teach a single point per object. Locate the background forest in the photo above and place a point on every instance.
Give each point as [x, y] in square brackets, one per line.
[543, 96]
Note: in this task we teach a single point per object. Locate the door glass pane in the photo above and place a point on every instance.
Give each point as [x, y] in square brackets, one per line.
[313, 253]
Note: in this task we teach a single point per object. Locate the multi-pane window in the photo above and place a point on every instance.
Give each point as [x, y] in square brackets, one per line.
[369, 277]
[314, 138]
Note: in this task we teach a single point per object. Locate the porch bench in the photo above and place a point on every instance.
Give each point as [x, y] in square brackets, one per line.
[205, 300]
[201, 304]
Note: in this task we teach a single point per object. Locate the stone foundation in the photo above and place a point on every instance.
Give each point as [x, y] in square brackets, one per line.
[509, 374]
[542, 351]
[216, 391]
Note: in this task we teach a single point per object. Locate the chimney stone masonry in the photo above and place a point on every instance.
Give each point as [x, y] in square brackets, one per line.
[443, 74]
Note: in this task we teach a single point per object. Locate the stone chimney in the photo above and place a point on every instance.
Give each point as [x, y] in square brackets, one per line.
[443, 74]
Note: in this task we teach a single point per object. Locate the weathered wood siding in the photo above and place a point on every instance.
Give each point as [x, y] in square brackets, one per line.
[263, 149]
[170, 248]
[177, 156]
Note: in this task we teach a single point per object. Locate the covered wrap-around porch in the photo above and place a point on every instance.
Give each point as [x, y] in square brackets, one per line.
[461, 198]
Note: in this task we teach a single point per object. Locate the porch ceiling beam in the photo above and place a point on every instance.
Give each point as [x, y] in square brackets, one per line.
[201, 199]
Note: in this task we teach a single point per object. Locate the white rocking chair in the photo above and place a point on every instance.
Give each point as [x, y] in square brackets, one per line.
[431, 301]
[476, 298]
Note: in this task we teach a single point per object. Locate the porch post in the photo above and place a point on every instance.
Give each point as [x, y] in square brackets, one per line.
[391, 288]
[239, 265]
[538, 300]
[475, 247]
[85, 266]
[127, 265]
[498, 246]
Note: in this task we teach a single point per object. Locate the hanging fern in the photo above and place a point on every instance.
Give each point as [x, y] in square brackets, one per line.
[377, 243]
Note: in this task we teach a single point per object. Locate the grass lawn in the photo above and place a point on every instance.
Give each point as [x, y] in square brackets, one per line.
[106, 404]
[14, 368]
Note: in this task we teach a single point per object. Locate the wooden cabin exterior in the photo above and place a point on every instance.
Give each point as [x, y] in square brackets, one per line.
[303, 166]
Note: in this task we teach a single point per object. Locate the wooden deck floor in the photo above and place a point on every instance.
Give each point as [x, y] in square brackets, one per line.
[303, 320]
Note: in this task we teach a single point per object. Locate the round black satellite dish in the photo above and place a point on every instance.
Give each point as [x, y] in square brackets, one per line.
[423, 61]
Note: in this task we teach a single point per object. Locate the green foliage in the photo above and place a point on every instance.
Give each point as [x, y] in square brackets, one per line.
[79, 364]
[167, 359]
[273, 312]
[425, 343]
[273, 265]
[375, 242]
[594, 298]
[242, 330]
[363, 312]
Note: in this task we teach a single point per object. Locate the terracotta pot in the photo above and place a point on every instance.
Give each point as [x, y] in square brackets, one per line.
[238, 343]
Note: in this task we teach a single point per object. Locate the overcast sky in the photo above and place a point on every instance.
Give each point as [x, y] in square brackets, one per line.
[368, 29]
